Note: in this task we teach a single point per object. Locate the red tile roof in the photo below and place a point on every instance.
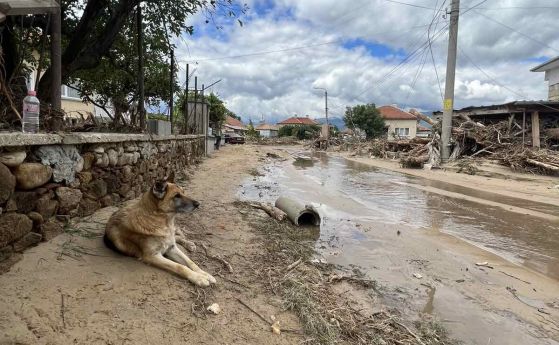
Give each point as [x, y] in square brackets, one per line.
[265, 126]
[231, 121]
[390, 112]
[298, 121]
[423, 129]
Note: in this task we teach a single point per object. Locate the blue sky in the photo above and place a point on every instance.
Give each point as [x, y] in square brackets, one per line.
[355, 50]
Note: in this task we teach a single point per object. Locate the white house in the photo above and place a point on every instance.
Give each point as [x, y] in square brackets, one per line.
[551, 69]
[267, 131]
[400, 123]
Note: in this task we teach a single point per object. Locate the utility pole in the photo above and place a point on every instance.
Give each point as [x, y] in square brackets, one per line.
[196, 104]
[448, 104]
[171, 87]
[140, 37]
[325, 109]
[186, 100]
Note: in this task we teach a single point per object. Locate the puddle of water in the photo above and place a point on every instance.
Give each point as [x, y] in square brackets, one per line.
[347, 192]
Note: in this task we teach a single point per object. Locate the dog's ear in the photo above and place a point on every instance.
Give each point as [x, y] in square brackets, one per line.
[159, 189]
[171, 177]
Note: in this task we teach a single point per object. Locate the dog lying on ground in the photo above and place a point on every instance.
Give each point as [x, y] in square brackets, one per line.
[145, 229]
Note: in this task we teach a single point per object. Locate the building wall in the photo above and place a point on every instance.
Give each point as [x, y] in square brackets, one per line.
[266, 133]
[44, 179]
[554, 92]
[73, 108]
[393, 124]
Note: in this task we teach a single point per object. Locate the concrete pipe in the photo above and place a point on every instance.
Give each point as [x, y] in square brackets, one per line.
[297, 212]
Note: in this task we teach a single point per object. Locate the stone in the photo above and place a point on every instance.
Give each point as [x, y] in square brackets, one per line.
[7, 183]
[46, 206]
[11, 206]
[129, 195]
[32, 175]
[120, 150]
[36, 217]
[5, 253]
[113, 157]
[85, 177]
[98, 188]
[88, 206]
[74, 184]
[68, 198]
[116, 198]
[102, 160]
[126, 159]
[65, 160]
[127, 173]
[51, 229]
[112, 183]
[99, 149]
[130, 148]
[12, 159]
[136, 157]
[25, 201]
[124, 189]
[88, 160]
[13, 226]
[106, 201]
[26, 241]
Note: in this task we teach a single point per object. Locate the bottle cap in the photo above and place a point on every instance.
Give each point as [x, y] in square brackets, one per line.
[31, 93]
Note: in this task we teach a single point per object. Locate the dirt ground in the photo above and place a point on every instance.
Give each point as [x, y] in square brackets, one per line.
[73, 290]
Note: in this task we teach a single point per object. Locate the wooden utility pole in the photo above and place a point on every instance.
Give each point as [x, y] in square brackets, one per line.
[56, 59]
[140, 38]
[171, 87]
[196, 104]
[536, 129]
[448, 106]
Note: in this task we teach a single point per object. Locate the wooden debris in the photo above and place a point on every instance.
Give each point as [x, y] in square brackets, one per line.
[271, 210]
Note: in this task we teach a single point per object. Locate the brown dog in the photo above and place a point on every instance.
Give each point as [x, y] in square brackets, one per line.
[146, 229]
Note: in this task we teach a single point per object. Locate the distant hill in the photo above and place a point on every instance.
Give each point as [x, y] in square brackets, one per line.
[334, 121]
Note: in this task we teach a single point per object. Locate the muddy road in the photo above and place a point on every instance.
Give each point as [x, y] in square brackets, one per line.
[398, 228]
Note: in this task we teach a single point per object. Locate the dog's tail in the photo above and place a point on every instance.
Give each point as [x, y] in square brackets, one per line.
[110, 244]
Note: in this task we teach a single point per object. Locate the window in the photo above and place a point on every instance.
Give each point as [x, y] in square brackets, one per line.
[70, 92]
[402, 132]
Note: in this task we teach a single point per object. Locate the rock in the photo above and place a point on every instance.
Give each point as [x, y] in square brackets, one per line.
[130, 148]
[214, 308]
[12, 159]
[116, 198]
[99, 149]
[106, 201]
[102, 160]
[51, 229]
[65, 159]
[112, 183]
[68, 198]
[85, 177]
[5, 253]
[13, 226]
[26, 241]
[7, 183]
[124, 188]
[130, 195]
[32, 175]
[113, 157]
[25, 201]
[127, 173]
[126, 159]
[88, 206]
[11, 206]
[88, 160]
[46, 206]
[98, 188]
[36, 217]
[120, 150]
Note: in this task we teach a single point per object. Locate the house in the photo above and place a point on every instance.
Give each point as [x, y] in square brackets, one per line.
[298, 121]
[551, 69]
[423, 132]
[233, 125]
[267, 131]
[400, 123]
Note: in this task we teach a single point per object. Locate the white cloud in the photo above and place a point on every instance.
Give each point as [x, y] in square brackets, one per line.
[281, 84]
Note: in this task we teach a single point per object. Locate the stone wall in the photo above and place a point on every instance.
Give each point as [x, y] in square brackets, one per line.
[47, 179]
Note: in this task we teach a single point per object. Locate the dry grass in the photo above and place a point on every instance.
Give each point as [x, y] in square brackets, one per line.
[307, 289]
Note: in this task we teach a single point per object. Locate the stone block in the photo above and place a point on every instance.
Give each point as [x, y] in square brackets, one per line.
[13, 226]
[32, 175]
[26, 241]
[7, 183]
[68, 198]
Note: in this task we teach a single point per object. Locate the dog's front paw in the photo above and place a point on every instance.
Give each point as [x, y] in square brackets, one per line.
[200, 280]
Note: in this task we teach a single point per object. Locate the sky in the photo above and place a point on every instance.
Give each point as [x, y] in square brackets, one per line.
[369, 51]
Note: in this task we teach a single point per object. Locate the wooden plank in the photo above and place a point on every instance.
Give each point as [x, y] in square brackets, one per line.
[536, 129]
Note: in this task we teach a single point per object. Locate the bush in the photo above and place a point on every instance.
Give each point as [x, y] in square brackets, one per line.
[300, 132]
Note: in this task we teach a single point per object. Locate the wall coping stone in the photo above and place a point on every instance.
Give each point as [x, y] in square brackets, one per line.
[10, 139]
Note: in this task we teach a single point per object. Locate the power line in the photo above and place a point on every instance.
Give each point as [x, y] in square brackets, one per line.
[498, 83]
[518, 32]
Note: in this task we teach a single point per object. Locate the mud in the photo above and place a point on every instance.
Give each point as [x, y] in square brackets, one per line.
[393, 225]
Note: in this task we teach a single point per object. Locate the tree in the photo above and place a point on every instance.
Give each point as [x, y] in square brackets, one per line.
[367, 118]
[99, 45]
[251, 131]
